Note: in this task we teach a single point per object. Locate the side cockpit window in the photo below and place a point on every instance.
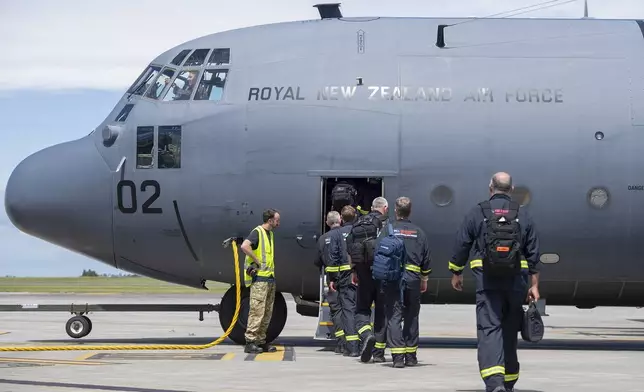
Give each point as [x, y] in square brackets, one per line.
[122, 116]
[144, 81]
[169, 150]
[212, 85]
[160, 84]
[144, 147]
[182, 87]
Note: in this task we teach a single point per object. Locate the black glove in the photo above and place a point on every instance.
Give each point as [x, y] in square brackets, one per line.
[252, 269]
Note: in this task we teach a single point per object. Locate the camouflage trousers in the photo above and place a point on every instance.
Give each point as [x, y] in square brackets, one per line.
[262, 296]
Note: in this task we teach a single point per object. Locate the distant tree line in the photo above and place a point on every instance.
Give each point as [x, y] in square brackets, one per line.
[90, 272]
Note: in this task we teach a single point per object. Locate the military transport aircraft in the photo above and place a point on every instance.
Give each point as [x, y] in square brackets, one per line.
[219, 128]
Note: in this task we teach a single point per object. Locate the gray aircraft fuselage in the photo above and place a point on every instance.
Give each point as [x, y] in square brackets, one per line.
[559, 104]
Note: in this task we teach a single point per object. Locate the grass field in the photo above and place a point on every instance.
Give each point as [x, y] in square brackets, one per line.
[100, 284]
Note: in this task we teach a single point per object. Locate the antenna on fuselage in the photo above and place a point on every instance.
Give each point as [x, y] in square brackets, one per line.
[440, 33]
[329, 10]
[585, 8]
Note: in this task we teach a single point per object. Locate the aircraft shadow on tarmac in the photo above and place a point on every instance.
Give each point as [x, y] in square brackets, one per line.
[455, 343]
[483, 390]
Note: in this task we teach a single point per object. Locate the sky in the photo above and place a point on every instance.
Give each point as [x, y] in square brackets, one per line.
[64, 64]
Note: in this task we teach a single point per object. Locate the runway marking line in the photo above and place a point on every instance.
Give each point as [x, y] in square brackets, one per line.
[84, 356]
[51, 361]
[160, 356]
[282, 354]
[4, 333]
[228, 357]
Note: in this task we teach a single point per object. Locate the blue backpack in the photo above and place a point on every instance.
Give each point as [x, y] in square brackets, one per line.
[388, 258]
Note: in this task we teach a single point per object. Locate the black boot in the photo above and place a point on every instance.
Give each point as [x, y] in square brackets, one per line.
[410, 359]
[378, 358]
[351, 349]
[339, 347]
[267, 349]
[367, 347]
[252, 348]
[399, 360]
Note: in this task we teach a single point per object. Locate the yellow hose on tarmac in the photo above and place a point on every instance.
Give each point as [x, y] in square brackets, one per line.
[153, 346]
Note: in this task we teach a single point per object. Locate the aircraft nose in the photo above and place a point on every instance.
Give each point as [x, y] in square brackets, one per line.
[62, 195]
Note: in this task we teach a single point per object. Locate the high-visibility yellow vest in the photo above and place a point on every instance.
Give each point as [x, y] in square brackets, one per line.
[264, 253]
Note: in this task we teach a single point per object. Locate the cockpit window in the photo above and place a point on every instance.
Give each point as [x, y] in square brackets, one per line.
[142, 82]
[144, 147]
[179, 58]
[220, 56]
[122, 116]
[197, 58]
[147, 80]
[212, 85]
[182, 86]
[169, 150]
[162, 81]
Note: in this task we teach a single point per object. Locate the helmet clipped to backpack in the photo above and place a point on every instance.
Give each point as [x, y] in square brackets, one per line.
[532, 327]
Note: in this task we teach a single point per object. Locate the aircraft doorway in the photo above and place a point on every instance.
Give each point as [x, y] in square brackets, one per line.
[367, 189]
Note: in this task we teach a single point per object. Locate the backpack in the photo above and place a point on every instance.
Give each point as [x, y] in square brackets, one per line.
[364, 231]
[389, 257]
[502, 238]
[342, 194]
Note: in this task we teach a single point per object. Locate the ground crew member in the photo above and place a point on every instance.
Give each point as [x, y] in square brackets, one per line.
[360, 245]
[414, 282]
[332, 253]
[500, 292]
[259, 274]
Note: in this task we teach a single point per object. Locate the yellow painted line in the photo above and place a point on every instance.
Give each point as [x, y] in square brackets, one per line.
[276, 356]
[326, 323]
[84, 356]
[4, 333]
[228, 357]
[51, 361]
[325, 304]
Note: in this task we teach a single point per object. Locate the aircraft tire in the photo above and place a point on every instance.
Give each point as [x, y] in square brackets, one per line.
[77, 327]
[227, 310]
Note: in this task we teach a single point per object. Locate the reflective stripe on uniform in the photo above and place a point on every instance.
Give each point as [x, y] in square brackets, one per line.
[511, 377]
[380, 345]
[455, 267]
[338, 268]
[265, 256]
[411, 350]
[426, 271]
[365, 328]
[339, 333]
[478, 263]
[398, 350]
[492, 371]
[413, 268]
[351, 338]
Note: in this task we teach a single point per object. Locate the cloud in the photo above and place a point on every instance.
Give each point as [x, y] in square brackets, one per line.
[105, 45]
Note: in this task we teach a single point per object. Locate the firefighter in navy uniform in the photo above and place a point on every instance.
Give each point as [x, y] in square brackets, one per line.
[414, 283]
[501, 289]
[360, 244]
[332, 254]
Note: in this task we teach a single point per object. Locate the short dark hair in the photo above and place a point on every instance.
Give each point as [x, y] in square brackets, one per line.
[268, 214]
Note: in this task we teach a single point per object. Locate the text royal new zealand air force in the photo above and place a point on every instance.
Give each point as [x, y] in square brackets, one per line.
[396, 93]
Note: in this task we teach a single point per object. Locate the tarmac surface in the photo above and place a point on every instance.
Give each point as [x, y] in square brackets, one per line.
[600, 349]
